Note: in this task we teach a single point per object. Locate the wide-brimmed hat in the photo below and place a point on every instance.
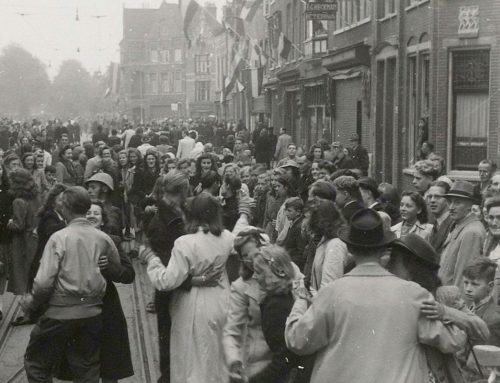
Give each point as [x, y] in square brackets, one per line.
[462, 189]
[103, 178]
[420, 248]
[366, 230]
[370, 184]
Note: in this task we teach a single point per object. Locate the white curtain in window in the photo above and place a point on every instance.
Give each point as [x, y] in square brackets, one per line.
[472, 115]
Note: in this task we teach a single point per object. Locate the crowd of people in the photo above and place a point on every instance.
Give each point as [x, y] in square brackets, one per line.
[268, 262]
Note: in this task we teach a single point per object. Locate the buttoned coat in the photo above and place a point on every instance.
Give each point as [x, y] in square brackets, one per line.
[464, 243]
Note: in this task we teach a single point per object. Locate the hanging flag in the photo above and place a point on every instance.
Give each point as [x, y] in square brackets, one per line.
[236, 66]
[113, 80]
[239, 86]
[284, 46]
[254, 80]
[249, 9]
[257, 56]
[190, 9]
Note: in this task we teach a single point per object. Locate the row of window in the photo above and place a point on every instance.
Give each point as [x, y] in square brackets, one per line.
[165, 83]
[163, 56]
[173, 82]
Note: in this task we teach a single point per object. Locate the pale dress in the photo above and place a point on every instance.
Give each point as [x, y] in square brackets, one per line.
[198, 315]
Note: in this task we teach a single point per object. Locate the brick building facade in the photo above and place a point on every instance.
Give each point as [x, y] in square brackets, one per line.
[162, 75]
[153, 55]
[394, 72]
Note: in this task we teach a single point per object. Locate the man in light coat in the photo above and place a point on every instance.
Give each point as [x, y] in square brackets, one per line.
[466, 238]
[282, 145]
[186, 144]
[367, 326]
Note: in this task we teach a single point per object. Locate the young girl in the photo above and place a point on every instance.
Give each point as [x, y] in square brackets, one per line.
[413, 211]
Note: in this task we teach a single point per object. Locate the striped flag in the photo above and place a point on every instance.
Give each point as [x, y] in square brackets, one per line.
[236, 66]
[190, 9]
[249, 9]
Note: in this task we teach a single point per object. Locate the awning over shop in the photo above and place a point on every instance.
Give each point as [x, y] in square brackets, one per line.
[354, 55]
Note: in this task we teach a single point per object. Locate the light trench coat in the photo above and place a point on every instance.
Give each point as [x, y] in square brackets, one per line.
[198, 315]
[367, 327]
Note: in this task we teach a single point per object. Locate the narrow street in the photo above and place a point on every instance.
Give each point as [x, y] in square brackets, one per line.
[141, 327]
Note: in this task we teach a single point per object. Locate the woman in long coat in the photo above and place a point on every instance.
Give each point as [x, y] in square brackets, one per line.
[198, 315]
[22, 225]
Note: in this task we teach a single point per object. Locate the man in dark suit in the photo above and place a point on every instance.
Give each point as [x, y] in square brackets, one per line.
[359, 155]
[438, 206]
[348, 197]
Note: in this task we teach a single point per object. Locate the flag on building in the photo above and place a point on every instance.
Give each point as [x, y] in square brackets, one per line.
[113, 80]
[190, 9]
[284, 46]
[239, 86]
[249, 9]
[257, 56]
[231, 79]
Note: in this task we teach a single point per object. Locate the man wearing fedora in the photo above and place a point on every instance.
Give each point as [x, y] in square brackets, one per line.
[367, 326]
[467, 235]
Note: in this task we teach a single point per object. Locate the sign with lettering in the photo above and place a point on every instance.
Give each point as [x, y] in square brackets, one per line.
[321, 10]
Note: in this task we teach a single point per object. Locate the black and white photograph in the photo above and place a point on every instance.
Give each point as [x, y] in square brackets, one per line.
[250, 191]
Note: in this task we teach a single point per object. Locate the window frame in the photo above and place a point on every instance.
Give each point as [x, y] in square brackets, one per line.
[344, 18]
[452, 99]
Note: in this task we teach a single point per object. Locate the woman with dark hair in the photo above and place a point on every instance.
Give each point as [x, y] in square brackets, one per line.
[144, 181]
[198, 315]
[204, 164]
[65, 172]
[50, 221]
[210, 182]
[116, 360]
[315, 153]
[413, 211]
[331, 258]
[22, 226]
[28, 161]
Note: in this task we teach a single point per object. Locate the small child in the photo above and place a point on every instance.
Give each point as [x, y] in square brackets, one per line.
[478, 292]
[294, 241]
